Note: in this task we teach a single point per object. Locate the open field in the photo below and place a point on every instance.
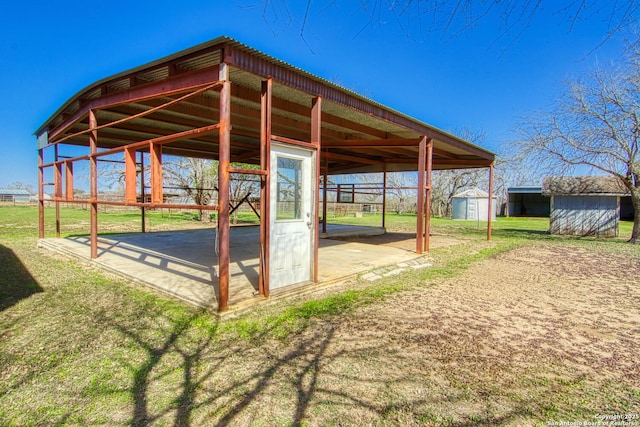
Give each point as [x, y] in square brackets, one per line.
[522, 330]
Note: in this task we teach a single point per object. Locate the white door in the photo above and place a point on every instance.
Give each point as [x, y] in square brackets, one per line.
[291, 216]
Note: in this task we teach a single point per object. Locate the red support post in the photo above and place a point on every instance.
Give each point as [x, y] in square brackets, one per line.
[325, 193]
[57, 188]
[93, 184]
[265, 190]
[68, 193]
[224, 157]
[384, 196]
[155, 152]
[427, 218]
[316, 131]
[143, 195]
[40, 193]
[130, 173]
[422, 150]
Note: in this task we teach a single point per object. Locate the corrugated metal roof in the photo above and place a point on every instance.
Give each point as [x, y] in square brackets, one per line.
[583, 185]
[472, 193]
[346, 114]
[525, 190]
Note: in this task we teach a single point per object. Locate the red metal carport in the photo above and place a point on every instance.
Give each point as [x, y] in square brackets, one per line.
[226, 101]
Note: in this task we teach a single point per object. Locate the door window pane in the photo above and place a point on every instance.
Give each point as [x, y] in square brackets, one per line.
[289, 185]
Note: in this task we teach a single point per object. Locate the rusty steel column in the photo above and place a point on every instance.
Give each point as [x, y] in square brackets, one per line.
[93, 184]
[325, 192]
[155, 164]
[265, 189]
[384, 195]
[316, 139]
[224, 157]
[130, 176]
[69, 180]
[57, 187]
[427, 218]
[40, 193]
[490, 202]
[143, 210]
[422, 150]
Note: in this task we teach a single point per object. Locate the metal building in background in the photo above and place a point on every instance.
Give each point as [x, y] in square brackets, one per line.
[584, 206]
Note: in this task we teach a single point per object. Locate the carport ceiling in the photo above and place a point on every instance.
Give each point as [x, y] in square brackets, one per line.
[358, 135]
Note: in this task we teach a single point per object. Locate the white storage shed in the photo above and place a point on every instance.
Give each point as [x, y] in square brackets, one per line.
[473, 204]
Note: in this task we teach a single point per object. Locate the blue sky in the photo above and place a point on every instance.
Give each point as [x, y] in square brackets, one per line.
[480, 78]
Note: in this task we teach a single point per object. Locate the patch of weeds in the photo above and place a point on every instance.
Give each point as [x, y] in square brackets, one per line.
[329, 306]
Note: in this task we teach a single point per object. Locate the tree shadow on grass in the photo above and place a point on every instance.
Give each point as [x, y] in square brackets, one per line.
[16, 283]
[183, 373]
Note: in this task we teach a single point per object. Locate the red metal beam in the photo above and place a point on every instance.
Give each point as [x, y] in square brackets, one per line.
[353, 159]
[57, 189]
[93, 183]
[131, 189]
[420, 208]
[68, 180]
[223, 196]
[122, 98]
[265, 189]
[41, 193]
[155, 154]
[378, 143]
[248, 171]
[427, 220]
[292, 141]
[316, 135]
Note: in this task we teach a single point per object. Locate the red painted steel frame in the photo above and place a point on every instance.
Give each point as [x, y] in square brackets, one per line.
[93, 186]
[223, 196]
[265, 190]
[316, 128]
[68, 193]
[57, 189]
[427, 219]
[41, 193]
[130, 187]
[421, 172]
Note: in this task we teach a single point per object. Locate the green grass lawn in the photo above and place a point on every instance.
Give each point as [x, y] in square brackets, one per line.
[81, 348]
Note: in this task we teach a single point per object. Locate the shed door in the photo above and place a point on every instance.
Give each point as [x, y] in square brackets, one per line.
[290, 248]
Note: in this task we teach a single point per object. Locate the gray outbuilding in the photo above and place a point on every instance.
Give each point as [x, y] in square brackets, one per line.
[527, 201]
[584, 206]
[14, 196]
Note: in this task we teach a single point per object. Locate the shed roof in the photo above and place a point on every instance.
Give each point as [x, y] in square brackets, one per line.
[583, 185]
[14, 192]
[525, 189]
[472, 193]
[358, 134]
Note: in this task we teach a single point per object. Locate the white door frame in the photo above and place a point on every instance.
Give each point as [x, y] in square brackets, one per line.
[292, 219]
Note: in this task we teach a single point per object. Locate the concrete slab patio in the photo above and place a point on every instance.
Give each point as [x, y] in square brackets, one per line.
[184, 263]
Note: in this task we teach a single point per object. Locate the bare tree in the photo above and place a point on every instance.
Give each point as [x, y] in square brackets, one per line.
[401, 187]
[19, 185]
[196, 177]
[243, 188]
[594, 125]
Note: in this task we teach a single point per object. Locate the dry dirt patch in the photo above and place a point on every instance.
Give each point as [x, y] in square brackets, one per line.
[536, 334]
